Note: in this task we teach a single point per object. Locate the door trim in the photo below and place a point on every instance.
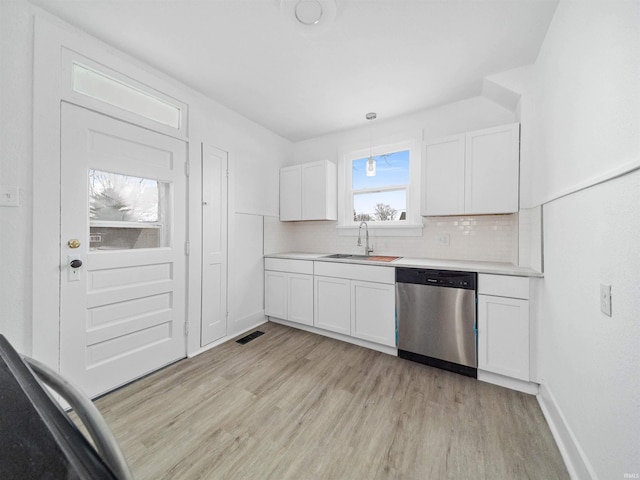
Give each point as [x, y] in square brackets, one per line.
[50, 37]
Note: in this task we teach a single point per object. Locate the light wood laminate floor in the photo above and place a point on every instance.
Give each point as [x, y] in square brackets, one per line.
[294, 405]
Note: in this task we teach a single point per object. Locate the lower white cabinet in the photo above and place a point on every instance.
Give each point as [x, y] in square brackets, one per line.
[356, 300]
[503, 326]
[288, 293]
[360, 309]
[373, 310]
[275, 294]
[333, 304]
[300, 298]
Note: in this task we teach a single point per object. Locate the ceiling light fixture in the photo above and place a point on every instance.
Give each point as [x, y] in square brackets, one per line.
[309, 17]
[371, 163]
[308, 12]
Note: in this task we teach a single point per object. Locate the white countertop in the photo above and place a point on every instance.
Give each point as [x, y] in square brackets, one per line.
[497, 268]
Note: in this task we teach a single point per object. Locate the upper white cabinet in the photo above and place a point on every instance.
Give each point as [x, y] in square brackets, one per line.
[309, 192]
[443, 176]
[473, 173]
[291, 193]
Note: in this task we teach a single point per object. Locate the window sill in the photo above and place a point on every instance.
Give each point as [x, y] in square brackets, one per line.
[411, 230]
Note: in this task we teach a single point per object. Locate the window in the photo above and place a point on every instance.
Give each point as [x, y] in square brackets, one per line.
[95, 84]
[379, 187]
[127, 212]
[107, 90]
[381, 190]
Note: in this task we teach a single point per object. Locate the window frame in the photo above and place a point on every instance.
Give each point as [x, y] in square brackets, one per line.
[412, 225]
[71, 58]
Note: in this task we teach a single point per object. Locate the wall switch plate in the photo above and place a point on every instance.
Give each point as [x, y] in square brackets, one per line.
[9, 196]
[605, 299]
[443, 239]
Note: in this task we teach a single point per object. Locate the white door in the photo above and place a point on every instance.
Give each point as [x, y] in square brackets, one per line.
[214, 245]
[123, 208]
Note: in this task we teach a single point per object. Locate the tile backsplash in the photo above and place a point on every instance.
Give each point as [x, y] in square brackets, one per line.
[491, 238]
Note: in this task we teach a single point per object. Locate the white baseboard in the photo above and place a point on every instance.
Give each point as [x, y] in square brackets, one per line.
[338, 336]
[257, 321]
[507, 382]
[574, 457]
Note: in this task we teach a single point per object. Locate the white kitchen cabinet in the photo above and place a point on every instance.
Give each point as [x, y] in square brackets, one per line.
[309, 192]
[473, 173]
[503, 326]
[353, 300]
[300, 298]
[275, 294]
[290, 193]
[373, 312]
[356, 300]
[289, 290]
[492, 169]
[332, 309]
[443, 176]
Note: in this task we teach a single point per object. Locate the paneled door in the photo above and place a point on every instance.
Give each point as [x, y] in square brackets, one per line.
[214, 244]
[123, 233]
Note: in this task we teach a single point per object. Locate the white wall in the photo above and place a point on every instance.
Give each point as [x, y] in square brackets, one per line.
[581, 125]
[255, 153]
[484, 238]
[470, 114]
[16, 73]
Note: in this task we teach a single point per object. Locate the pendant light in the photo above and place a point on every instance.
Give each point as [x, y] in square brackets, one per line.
[371, 163]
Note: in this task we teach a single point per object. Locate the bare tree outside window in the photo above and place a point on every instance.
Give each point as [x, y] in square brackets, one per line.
[385, 212]
[361, 217]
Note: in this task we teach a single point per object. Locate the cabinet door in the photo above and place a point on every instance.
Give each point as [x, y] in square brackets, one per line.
[443, 176]
[290, 193]
[332, 309]
[319, 191]
[373, 312]
[503, 336]
[492, 170]
[314, 195]
[275, 294]
[300, 298]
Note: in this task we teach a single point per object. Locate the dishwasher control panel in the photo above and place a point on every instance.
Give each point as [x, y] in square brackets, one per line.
[440, 278]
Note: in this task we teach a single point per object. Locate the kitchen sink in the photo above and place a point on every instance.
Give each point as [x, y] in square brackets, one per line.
[371, 258]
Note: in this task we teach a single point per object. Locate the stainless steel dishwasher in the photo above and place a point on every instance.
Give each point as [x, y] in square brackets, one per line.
[436, 311]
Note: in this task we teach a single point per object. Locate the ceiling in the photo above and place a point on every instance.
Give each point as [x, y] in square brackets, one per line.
[392, 57]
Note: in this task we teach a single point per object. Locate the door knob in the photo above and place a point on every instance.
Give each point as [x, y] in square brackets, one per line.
[76, 263]
[73, 243]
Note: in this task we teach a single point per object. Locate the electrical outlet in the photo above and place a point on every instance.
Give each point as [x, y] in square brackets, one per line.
[605, 299]
[9, 196]
[443, 239]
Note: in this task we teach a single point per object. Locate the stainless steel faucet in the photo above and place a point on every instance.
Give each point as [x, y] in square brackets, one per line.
[367, 250]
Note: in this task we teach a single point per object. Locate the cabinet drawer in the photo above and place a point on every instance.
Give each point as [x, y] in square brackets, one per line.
[368, 273]
[287, 265]
[503, 286]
